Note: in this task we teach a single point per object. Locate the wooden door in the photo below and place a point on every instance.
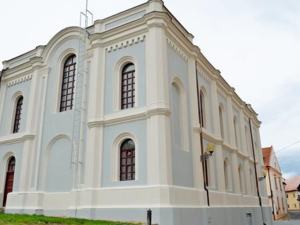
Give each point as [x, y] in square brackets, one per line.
[9, 182]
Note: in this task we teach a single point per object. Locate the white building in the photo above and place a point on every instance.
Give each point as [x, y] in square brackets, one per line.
[275, 184]
[139, 146]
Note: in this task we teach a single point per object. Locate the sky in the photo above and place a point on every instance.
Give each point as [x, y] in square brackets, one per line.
[254, 43]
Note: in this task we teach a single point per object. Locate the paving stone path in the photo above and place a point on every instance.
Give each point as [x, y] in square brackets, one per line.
[295, 220]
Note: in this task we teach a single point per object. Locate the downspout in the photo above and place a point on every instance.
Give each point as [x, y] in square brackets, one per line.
[255, 169]
[268, 168]
[204, 172]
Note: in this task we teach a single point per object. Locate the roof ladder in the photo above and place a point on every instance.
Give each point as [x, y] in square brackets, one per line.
[79, 107]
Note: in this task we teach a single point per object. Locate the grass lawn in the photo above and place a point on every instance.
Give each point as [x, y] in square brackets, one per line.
[38, 220]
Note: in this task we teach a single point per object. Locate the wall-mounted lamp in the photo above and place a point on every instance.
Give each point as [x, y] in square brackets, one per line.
[210, 148]
[264, 173]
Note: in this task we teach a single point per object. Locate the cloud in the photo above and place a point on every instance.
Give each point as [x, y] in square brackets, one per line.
[289, 175]
[289, 160]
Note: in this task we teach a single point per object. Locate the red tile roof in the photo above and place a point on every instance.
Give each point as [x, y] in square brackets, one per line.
[267, 152]
[292, 184]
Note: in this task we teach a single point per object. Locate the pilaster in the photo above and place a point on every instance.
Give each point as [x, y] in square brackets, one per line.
[215, 109]
[159, 158]
[236, 183]
[243, 135]
[236, 178]
[247, 177]
[28, 149]
[3, 87]
[198, 173]
[94, 148]
[230, 122]
[220, 168]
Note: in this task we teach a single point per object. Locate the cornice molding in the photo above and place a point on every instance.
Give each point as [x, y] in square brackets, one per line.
[204, 75]
[177, 49]
[158, 111]
[121, 117]
[210, 137]
[44, 71]
[221, 93]
[126, 43]
[242, 155]
[19, 80]
[16, 138]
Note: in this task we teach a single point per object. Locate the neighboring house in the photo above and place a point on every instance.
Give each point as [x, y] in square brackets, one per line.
[111, 130]
[292, 190]
[275, 183]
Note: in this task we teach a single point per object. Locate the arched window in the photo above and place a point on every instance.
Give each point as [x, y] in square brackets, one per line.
[68, 84]
[202, 109]
[9, 182]
[226, 175]
[241, 179]
[179, 115]
[235, 131]
[18, 114]
[127, 160]
[221, 121]
[11, 164]
[128, 86]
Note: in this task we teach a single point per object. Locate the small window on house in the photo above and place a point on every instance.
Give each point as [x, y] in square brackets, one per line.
[128, 86]
[18, 114]
[127, 160]
[68, 84]
[221, 121]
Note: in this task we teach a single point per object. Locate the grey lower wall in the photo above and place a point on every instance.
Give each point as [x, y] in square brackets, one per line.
[168, 216]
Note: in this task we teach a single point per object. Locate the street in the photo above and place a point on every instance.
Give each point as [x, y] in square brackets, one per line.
[294, 220]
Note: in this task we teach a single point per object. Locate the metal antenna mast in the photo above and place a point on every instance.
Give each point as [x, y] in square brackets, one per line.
[81, 87]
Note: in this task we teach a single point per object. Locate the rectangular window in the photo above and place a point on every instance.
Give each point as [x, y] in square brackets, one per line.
[249, 219]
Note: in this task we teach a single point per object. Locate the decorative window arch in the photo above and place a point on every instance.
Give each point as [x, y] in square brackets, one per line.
[221, 118]
[179, 107]
[128, 86]
[18, 114]
[127, 160]
[68, 84]
[123, 143]
[235, 127]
